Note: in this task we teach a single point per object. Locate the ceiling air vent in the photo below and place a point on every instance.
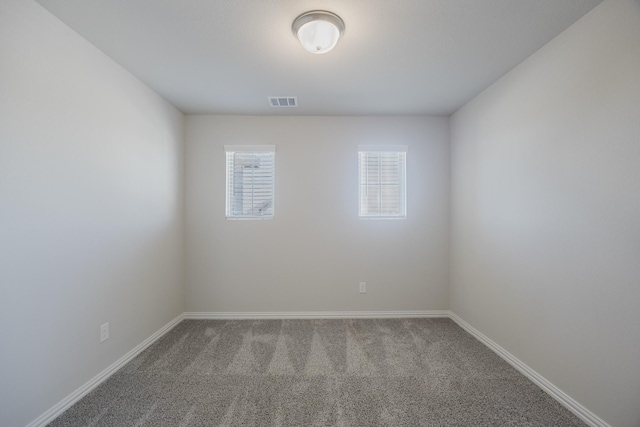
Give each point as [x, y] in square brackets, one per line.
[283, 101]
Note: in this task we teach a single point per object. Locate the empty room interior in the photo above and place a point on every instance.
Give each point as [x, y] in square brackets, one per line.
[320, 212]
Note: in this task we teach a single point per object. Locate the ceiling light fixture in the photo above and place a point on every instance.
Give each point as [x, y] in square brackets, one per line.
[318, 30]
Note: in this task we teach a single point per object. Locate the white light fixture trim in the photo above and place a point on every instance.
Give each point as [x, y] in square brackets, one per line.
[318, 30]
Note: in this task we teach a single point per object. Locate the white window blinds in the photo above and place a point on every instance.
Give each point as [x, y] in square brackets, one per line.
[382, 181]
[250, 181]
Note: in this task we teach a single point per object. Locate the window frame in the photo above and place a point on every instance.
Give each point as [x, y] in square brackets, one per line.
[248, 149]
[401, 151]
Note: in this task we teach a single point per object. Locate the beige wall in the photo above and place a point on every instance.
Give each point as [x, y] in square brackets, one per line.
[312, 255]
[545, 202]
[546, 212]
[90, 211]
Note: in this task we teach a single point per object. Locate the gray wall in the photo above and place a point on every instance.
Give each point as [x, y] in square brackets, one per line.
[546, 212]
[312, 255]
[90, 211]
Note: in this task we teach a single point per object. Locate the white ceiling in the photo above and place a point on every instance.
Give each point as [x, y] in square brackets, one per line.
[400, 57]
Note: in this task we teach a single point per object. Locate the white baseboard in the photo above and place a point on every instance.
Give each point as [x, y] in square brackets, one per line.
[317, 314]
[67, 402]
[580, 411]
[565, 400]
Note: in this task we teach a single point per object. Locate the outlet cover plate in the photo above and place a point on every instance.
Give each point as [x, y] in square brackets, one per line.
[104, 332]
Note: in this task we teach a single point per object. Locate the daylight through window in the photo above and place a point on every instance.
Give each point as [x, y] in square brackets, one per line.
[250, 181]
[382, 182]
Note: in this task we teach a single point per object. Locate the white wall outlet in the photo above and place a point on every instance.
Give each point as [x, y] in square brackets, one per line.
[363, 287]
[104, 332]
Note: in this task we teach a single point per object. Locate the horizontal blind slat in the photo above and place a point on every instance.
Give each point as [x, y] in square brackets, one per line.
[250, 183]
[382, 182]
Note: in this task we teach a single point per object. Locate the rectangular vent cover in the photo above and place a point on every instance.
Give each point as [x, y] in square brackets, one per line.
[283, 101]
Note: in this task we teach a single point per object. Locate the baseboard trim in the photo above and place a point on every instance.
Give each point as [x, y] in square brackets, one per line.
[564, 399]
[317, 314]
[67, 402]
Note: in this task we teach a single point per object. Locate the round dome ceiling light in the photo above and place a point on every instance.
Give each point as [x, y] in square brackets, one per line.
[318, 30]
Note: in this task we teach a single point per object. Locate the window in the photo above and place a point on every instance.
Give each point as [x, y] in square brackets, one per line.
[382, 181]
[250, 181]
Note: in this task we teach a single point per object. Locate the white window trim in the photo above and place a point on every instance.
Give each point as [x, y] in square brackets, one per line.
[381, 149]
[245, 149]
[384, 148]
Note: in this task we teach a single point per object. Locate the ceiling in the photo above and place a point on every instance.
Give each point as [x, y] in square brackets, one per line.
[400, 57]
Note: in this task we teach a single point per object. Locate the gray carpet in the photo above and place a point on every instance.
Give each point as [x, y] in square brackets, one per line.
[392, 372]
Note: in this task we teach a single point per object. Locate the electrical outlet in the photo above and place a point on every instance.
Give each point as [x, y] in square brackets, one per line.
[363, 287]
[104, 332]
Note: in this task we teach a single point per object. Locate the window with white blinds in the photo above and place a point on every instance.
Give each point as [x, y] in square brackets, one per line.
[250, 181]
[382, 181]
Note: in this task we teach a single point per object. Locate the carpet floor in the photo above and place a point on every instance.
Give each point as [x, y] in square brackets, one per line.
[365, 372]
